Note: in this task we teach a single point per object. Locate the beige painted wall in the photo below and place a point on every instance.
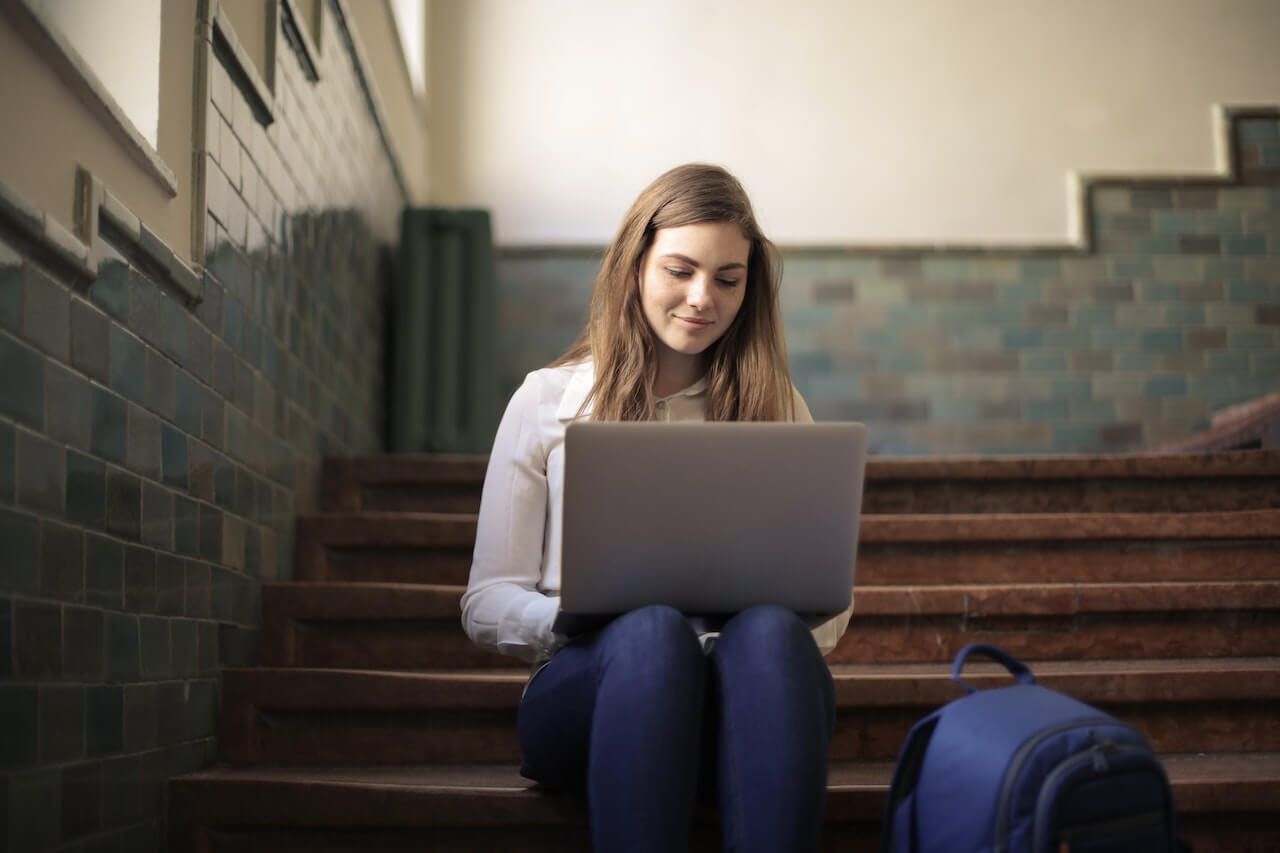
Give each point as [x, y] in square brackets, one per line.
[404, 110]
[49, 131]
[848, 120]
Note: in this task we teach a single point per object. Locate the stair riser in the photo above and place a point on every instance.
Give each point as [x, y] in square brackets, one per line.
[869, 639]
[889, 564]
[1206, 834]
[1127, 636]
[925, 497]
[867, 734]
[381, 645]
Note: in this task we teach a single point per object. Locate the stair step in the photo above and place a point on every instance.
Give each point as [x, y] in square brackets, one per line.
[1167, 483]
[369, 626]
[1225, 802]
[416, 626]
[319, 716]
[914, 549]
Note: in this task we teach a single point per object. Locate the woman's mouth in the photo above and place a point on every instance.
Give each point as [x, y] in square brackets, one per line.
[692, 323]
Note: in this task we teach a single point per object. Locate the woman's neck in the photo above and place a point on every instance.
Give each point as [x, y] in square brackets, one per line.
[677, 371]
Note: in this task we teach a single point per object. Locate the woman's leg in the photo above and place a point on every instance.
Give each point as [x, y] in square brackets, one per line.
[622, 712]
[777, 714]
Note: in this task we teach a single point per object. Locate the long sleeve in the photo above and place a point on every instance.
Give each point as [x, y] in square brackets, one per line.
[827, 634]
[503, 609]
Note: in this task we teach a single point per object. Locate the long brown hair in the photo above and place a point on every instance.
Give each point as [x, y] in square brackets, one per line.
[748, 378]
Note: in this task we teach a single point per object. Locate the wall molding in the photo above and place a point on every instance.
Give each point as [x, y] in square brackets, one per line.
[360, 62]
[1081, 186]
[296, 34]
[100, 215]
[235, 58]
[89, 88]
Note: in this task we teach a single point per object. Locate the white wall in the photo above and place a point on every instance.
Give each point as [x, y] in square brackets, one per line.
[120, 41]
[849, 121]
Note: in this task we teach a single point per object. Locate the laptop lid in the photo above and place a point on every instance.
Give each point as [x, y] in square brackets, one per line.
[710, 518]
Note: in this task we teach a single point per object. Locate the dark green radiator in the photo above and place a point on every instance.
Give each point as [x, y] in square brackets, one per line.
[445, 324]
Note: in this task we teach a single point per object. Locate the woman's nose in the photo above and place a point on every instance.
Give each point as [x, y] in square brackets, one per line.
[698, 293]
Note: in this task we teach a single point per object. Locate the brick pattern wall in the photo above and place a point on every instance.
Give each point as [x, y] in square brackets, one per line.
[153, 457]
[1173, 313]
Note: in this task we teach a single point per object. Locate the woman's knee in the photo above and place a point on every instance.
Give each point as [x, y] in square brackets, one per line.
[768, 626]
[651, 636]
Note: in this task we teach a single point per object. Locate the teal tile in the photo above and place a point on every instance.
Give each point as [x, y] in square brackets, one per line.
[1108, 337]
[1228, 362]
[6, 463]
[1184, 314]
[20, 568]
[1072, 387]
[128, 361]
[1074, 438]
[1266, 365]
[1020, 293]
[10, 288]
[1250, 245]
[110, 425]
[1135, 360]
[1159, 291]
[1045, 411]
[1072, 338]
[902, 361]
[1094, 314]
[1161, 340]
[110, 291]
[953, 410]
[1130, 267]
[1039, 269]
[86, 490]
[22, 378]
[946, 269]
[123, 650]
[41, 478]
[1222, 222]
[1253, 292]
[1252, 339]
[104, 708]
[1024, 338]
[1258, 131]
[187, 402]
[1174, 222]
[173, 453]
[1223, 268]
[103, 571]
[1156, 244]
[834, 386]
[1043, 361]
[1165, 386]
[1093, 411]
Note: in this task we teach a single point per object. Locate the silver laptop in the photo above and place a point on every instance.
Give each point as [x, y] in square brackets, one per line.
[709, 518]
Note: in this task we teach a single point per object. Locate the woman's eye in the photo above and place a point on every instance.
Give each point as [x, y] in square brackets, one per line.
[728, 282]
[678, 273]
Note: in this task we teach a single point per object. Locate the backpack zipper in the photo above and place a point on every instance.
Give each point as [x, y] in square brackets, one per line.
[1098, 757]
[1015, 767]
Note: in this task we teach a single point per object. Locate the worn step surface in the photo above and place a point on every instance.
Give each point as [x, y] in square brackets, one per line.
[1228, 802]
[416, 626]
[1195, 482]
[312, 716]
[893, 549]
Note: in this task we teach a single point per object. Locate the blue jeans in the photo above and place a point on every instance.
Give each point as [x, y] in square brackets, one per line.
[633, 713]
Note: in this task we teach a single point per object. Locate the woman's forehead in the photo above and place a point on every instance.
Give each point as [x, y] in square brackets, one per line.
[705, 243]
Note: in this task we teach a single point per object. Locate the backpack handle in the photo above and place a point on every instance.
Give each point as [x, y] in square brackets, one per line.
[1017, 668]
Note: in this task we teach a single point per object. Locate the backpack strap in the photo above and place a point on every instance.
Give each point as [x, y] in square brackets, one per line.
[1017, 668]
[898, 831]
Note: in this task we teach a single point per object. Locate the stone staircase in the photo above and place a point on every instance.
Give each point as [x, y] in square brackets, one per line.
[1147, 585]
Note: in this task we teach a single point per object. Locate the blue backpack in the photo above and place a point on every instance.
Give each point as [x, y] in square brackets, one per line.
[1024, 769]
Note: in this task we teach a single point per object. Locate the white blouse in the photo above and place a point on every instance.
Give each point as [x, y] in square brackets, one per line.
[513, 594]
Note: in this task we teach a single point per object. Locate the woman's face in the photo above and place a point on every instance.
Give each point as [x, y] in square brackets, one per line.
[692, 283]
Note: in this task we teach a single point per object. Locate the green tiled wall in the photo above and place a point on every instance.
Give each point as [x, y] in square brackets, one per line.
[1172, 314]
[153, 457]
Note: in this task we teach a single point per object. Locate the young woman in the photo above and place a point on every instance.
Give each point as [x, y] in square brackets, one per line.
[684, 325]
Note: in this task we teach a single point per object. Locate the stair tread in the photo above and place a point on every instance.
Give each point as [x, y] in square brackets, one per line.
[412, 468]
[857, 686]
[354, 599]
[389, 529]
[1201, 782]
